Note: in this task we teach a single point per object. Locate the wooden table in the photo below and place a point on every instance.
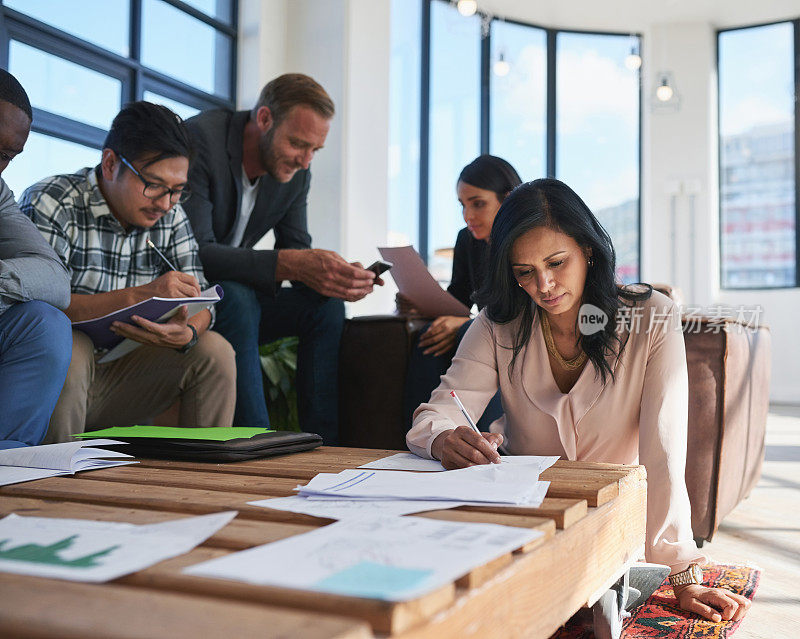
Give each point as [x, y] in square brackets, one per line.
[593, 520]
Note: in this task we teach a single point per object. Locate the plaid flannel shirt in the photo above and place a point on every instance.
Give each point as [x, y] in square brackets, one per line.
[100, 255]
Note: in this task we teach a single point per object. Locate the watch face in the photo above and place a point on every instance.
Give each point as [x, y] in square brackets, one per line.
[697, 573]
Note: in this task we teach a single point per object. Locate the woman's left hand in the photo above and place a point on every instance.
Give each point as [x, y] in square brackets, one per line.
[716, 604]
[441, 335]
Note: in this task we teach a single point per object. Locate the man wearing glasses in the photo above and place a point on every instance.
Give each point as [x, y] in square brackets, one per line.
[99, 221]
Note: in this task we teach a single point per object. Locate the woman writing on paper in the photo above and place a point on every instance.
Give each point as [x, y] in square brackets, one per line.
[481, 187]
[587, 369]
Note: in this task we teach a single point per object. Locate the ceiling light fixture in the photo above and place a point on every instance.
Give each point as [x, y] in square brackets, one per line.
[633, 61]
[467, 8]
[664, 91]
[501, 67]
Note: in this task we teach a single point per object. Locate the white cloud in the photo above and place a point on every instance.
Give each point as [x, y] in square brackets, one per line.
[752, 111]
[590, 86]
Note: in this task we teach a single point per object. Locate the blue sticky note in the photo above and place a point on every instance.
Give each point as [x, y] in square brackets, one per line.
[375, 581]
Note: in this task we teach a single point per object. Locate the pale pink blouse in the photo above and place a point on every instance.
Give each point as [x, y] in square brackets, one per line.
[641, 417]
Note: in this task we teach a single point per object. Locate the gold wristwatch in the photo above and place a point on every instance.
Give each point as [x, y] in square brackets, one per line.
[692, 575]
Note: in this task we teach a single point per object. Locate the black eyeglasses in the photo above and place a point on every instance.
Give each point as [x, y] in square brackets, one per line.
[155, 191]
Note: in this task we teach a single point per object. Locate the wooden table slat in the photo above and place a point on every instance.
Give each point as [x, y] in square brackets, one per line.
[184, 500]
[383, 616]
[237, 535]
[33, 607]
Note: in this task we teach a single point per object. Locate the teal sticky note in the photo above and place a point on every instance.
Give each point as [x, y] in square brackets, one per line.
[374, 581]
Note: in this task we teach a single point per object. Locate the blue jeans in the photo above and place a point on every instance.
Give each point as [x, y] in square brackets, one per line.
[35, 350]
[247, 318]
[424, 374]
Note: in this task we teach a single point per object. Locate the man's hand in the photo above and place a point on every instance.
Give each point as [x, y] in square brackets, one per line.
[405, 306]
[441, 335]
[172, 284]
[462, 447]
[327, 273]
[715, 604]
[173, 333]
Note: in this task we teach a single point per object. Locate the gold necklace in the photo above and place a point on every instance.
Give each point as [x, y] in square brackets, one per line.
[570, 364]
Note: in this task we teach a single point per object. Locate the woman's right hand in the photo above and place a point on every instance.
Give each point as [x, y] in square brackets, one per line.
[404, 306]
[462, 447]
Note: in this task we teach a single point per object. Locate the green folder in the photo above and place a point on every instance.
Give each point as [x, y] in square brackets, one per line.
[214, 444]
[213, 433]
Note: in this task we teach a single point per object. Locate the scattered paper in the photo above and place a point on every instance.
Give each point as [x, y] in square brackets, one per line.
[97, 551]
[534, 501]
[492, 483]
[417, 284]
[388, 558]
[409, 461]
[50, 460]
[352, 508]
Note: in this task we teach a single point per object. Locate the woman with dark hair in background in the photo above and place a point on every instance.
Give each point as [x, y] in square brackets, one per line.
[481, 188]
[610, 390]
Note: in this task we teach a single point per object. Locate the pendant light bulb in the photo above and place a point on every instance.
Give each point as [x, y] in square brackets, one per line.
[501, 67]
[664, 92]
[467, 8]
[633, 61]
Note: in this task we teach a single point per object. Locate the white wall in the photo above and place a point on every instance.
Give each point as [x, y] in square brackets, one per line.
[679, 153]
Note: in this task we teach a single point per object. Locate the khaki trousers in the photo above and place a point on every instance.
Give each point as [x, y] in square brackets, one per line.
[144, 383]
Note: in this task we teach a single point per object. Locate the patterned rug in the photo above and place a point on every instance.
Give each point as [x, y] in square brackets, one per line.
[659, 616]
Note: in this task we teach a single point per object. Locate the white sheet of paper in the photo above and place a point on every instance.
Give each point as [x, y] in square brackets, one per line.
[49, 460]
[534, 500]
[493, 483]
[417, 284]
[387, 558]
[352, 508]
[405, 461]
[97, 551]
[128, 345]
[17, 474]
[409, 461]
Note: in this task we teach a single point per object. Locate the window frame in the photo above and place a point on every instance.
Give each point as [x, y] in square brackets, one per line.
[796, 64]
[484, 119]
[136, 78]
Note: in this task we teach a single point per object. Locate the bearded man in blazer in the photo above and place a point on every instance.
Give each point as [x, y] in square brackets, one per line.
[251, 176]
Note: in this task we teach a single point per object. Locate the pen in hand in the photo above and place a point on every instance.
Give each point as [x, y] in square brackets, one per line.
[464, 410]
[466, 414]
[161, 255]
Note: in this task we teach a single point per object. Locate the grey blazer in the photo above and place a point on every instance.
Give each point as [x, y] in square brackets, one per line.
[215, 180]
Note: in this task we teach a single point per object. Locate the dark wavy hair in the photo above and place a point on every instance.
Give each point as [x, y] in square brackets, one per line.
[491, 173]
[551, 203]
[143, 128]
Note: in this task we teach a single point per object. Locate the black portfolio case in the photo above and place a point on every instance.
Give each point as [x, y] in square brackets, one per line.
[278, 442]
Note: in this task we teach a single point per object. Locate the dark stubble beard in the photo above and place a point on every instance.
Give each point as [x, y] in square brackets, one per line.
[266, 157]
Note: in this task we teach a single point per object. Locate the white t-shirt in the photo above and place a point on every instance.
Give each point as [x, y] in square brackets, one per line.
[249, 194]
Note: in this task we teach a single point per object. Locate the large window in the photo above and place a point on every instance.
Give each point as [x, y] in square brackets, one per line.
[551, 102]
[518, 97]
[454, 121]
[758, 162]
[80, 61]
[597, 135]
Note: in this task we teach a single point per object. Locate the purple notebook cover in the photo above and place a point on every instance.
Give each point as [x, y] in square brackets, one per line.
[99, 329]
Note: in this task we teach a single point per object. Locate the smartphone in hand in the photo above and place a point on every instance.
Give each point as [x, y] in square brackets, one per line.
[378, 267]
